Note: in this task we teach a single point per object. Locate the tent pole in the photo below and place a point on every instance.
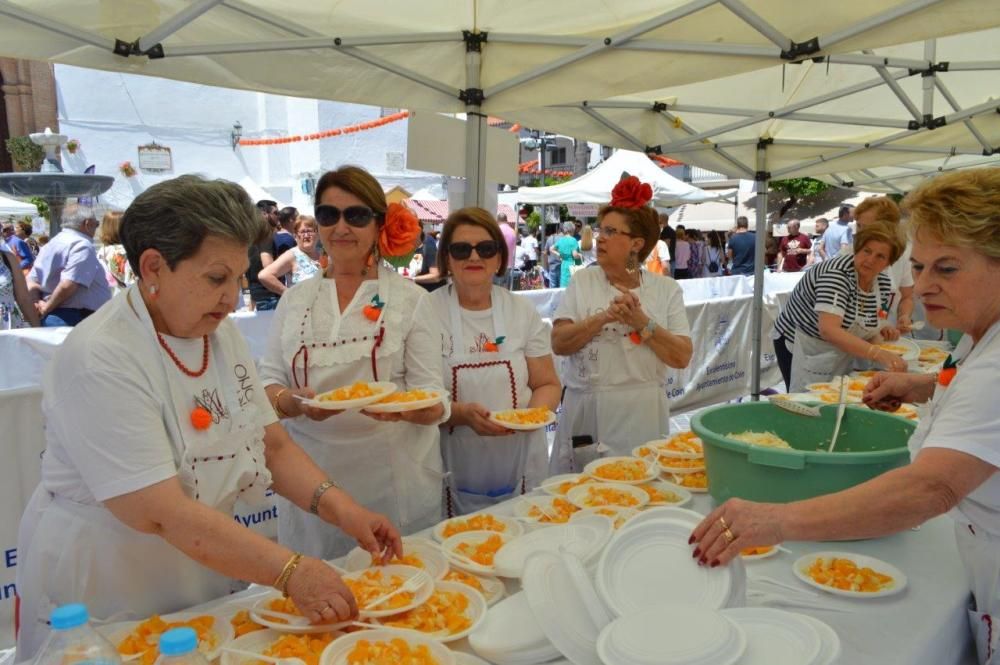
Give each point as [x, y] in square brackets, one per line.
[475, 122]
[762, 177]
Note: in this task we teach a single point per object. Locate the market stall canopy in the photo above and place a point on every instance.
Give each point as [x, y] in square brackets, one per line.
[923, 101]
[901, 178]
[595, 186]
[16, 208]
[446, 55]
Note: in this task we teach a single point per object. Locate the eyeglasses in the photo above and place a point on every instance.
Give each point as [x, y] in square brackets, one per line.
[611, 232]
[486, 249]
[356, 216]
[309, 232]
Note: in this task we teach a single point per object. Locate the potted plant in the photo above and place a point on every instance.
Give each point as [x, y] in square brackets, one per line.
[127, 169]
[25, 153]
[72, 146]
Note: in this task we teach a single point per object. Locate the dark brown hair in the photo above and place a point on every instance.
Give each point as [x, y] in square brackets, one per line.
[881, 231]
[471, 217]
[354, 180]
[642, 223]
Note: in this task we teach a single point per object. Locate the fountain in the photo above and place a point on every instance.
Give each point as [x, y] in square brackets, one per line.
[50, 183]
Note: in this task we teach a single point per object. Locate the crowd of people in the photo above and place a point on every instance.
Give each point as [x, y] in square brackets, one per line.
[143, 495]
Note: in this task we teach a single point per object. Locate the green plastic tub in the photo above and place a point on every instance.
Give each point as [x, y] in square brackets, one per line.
[870, 443]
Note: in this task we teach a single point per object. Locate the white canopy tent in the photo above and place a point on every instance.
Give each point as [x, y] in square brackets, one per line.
[475, 56]
[595, 186]
[12, 207]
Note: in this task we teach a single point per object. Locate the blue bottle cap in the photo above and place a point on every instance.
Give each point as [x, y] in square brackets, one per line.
[69, 616]
[178, 641]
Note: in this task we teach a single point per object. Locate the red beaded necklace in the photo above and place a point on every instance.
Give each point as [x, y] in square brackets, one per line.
[177, 361]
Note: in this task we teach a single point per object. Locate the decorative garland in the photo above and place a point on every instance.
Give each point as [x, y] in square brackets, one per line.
[329, 133]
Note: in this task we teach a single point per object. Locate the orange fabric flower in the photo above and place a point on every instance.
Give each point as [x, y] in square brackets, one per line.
[946, 375]
[631, 193]
[400, 233]
[201, 419]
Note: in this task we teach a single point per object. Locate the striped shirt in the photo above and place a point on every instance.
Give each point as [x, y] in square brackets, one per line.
[832, 286]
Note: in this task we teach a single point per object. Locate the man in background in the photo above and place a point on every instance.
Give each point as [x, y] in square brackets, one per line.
[429, 277]
[839, 237]
[741, 248]
[67, 282]
[817, 241]
[284, 238]
[793, 250]
[669, 236]
[19, 246]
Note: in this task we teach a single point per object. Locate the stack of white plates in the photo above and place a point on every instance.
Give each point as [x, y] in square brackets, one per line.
[650, 562]
[510, 635]
[777, 637]
[565, 603]
[668, 634]
[583, 537]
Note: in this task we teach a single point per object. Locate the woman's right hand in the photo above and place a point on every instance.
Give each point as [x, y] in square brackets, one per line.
[301, 408]
[886, 392]
[477, 417]
[320, 594]
[891, 361]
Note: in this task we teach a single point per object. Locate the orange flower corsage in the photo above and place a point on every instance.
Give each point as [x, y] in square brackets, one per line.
[201, 419]
[948, 372]
[373, 310]
[400, 234]
[494, 346]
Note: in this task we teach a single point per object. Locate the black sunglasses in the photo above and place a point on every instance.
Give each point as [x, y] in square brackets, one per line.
[356, 216]
[486, 249]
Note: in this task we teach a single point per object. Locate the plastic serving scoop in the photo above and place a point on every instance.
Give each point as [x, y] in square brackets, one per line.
[797, 408]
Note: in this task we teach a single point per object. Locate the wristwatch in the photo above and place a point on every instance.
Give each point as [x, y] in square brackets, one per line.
[647, 330]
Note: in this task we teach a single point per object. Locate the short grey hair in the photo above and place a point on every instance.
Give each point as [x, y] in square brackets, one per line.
[75, 215]
[174, 217]
[569, 227]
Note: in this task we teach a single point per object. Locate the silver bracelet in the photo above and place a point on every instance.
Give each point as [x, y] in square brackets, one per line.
[318, 494]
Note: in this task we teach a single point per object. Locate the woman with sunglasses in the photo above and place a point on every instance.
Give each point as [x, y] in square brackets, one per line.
[621, 328]
[302, 261]
[361, 322]
[497, 355]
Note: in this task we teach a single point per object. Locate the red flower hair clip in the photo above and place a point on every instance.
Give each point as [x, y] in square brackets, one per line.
[631, 193]
[397, 241]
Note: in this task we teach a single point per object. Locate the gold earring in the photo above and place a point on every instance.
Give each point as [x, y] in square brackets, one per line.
[632, 263]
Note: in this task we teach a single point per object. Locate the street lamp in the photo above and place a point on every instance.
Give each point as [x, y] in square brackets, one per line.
[236, 134]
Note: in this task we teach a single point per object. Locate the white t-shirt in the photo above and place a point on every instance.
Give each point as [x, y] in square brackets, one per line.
[621, 362]
[530, 245]
[525, 329]
[966, 419]
[111, 426]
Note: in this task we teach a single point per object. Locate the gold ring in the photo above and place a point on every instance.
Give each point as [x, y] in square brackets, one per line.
[729, 535]
[722, 521]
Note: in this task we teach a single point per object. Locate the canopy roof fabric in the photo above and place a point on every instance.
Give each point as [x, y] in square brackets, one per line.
[595, 186]
[13, 207]
[428, 210]
[415, 54]
[924, 101]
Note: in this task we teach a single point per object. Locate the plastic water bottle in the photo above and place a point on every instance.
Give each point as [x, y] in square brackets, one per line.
[73, 641]
[179, 646]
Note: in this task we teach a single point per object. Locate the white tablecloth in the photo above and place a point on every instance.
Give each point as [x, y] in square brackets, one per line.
[924, 625]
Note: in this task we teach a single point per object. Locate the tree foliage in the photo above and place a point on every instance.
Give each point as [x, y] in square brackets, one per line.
[796, 189]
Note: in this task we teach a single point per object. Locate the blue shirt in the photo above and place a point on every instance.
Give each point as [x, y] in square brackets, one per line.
[71, 256]
[837, 234]
[283, 241]
[742, 246]
[23, 251]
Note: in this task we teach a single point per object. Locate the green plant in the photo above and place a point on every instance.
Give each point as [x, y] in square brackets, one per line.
[26, 155]
[42, 206]
[533, 220]
[798, 188]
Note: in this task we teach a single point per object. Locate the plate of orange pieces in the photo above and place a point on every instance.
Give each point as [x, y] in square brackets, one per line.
[561, 484]
[544, 509]
[693, 482]
[417, 552]
[308, 648]
[279, 613]
[685, 445]
[523, 420]
[383, 646]
[138, 641]
[597, 495]
[850, 575]
[354, 396]
[491, 587]
[474, 551]
[628, 470]
[479, 522]
[407, 400]
[372, 583]
[453, 611]
[756, 553]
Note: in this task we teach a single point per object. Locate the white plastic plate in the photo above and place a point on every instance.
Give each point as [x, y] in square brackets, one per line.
[677, 479]
[582, 537]
[475, 612]
[382, 390]
[898, 584]
[402, 407]
[552, 484]
[222, 632]
[471, 537]
[776, 637]
[337, 651]
[593, 469]
[420, 596]
[428, 552]
[583, 497]
[494, 418]
[683, 495]
[512, 527]
[548, 516]
[757, 557]
[260, 614]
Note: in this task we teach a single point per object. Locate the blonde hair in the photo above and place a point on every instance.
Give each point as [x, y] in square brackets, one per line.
[881, 231]
[302, 220]
[109, 228]
[586, 238]
[885, 209]
[960, 209]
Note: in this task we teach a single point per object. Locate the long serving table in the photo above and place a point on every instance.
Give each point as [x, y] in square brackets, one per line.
[926, 624]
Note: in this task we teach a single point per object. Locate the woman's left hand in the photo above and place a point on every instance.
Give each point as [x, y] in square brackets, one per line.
[627, 310]
[373, 531]
[889, 333]
[735, 526]
[427, 416]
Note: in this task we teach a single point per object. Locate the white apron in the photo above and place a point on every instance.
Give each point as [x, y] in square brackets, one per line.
[391, 468]
[73, 552]
[817, 361]
[620, 417]
[979, 551]
[485, 471]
